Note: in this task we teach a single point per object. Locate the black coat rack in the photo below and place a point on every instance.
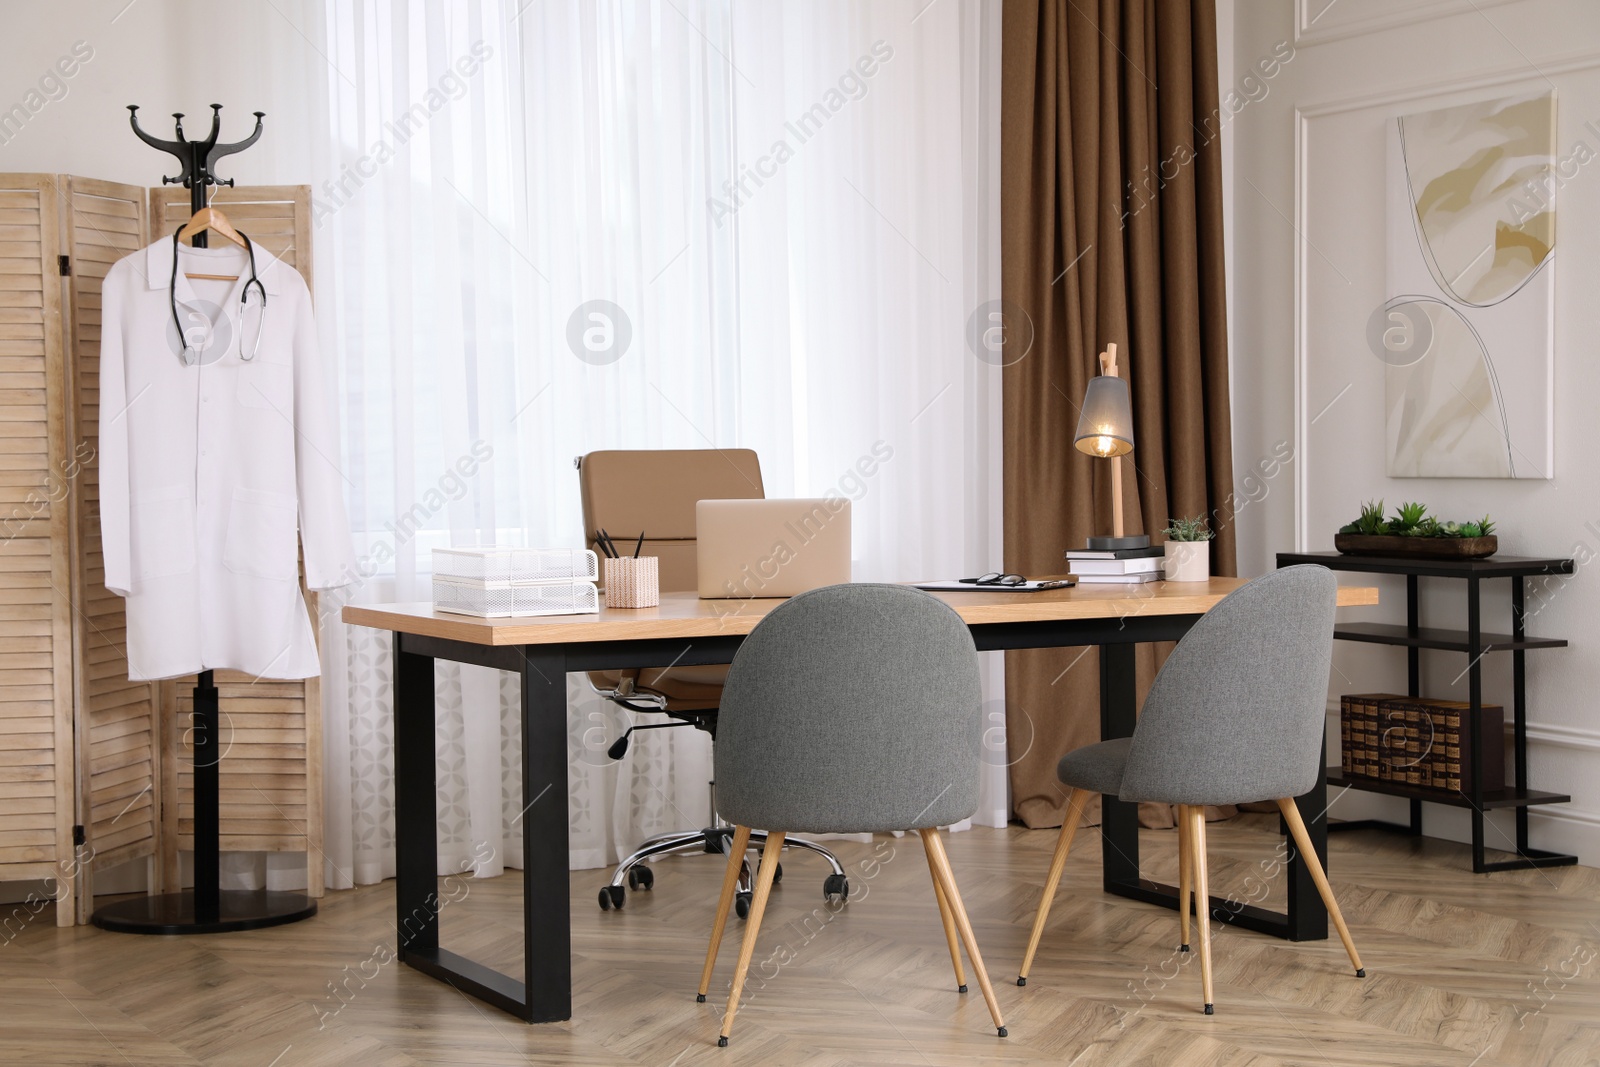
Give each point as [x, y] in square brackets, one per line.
[207, 909]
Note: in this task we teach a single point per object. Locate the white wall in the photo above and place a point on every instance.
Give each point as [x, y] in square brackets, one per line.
[165, 56]
[1308, 207]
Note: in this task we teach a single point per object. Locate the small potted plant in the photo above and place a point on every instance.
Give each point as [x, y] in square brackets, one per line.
[1188, 549]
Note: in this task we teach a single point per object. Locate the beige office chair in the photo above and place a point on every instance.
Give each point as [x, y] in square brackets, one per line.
[654, 492]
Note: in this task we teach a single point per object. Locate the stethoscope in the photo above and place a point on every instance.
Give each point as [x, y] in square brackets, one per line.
[198, 343]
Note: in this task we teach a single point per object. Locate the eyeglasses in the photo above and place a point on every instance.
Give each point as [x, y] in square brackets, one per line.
[996, 578]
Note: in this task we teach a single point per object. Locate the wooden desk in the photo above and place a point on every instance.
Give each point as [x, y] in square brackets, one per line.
[687, 630]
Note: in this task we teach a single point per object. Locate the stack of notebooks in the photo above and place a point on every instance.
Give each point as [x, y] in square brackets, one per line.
[1121, 566]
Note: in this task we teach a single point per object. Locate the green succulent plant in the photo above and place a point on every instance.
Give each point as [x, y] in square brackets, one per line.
[1191, 529]
[1412, 520]
[1371, 520]
[1409, 516]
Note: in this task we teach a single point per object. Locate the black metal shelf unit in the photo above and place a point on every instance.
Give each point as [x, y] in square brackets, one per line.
[1472, 641]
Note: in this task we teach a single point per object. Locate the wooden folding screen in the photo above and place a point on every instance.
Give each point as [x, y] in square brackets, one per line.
[93, 767]
[119, 725]
[37, 779]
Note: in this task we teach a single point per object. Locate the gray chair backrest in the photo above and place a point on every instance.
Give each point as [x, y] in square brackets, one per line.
[1238, 711]
[851, 709]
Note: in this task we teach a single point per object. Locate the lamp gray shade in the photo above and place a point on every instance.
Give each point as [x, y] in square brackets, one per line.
[1105, 425]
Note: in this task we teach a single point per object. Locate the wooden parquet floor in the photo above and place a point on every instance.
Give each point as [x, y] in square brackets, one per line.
[1497, 970]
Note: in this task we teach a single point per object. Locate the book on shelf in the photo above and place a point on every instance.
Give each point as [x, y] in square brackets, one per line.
[1115, 553]
[1439, 742]
[1136, 565]
[1139, 578]
[1359, 733]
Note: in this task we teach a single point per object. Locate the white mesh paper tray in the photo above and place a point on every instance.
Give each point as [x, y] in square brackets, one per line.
[489, 564]
[491, 600]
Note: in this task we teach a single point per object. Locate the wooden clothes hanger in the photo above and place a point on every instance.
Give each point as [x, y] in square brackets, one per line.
[210, 218]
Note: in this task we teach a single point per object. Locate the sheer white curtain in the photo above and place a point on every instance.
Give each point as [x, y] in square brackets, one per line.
[790, 212]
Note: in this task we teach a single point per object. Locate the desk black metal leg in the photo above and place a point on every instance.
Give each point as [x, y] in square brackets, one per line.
[416, 814]
[1119, 822]
[545, 992]
[547, 934]
[1119, 828]
[1307, 916]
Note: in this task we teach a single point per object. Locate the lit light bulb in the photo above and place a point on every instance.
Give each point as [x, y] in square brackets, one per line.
[1105, 445]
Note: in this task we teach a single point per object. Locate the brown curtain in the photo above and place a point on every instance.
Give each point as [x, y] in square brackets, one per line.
[1111, 214]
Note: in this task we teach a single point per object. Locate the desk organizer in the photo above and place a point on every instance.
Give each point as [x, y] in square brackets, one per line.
[491, 564]
[633, 582]
[500, 582]
[490, 600]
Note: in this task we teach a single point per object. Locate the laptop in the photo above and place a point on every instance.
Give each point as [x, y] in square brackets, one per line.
[771, 548]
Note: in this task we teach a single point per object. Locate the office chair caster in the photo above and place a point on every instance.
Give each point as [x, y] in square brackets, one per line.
[612, 896]
[640, 877]
[741, 900]
[836, 889]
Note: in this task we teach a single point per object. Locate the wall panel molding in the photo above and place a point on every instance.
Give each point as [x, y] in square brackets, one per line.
[1313, 25]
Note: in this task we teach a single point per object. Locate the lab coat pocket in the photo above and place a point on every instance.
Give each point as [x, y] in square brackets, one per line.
[162, 544]
[266, 385]
[261, 535]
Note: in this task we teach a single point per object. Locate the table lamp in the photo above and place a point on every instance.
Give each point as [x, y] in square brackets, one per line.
[1105, 430]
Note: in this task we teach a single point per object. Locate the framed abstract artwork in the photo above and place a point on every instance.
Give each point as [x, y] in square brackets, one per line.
[1468, 327]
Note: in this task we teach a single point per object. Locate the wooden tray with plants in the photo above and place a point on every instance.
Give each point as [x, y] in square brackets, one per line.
[1413, 532]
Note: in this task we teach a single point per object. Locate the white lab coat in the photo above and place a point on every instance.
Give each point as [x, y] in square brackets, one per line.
[207, 471]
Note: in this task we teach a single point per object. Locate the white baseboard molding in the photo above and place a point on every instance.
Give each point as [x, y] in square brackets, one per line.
[1564, 736]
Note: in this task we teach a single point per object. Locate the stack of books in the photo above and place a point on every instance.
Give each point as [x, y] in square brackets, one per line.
[1121, 566]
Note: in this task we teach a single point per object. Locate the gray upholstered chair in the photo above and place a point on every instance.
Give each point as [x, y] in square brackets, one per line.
[1235, 716]
[850, 709]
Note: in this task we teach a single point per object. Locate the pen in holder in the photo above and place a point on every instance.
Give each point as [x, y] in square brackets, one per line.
[632, 582]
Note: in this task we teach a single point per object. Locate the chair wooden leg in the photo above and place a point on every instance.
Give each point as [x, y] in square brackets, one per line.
[947, 881]
[758, 905]
[1077, 800]
[730, 884]
[1302, 842]
[950, 935]
[1185, 877]
[1197, 859]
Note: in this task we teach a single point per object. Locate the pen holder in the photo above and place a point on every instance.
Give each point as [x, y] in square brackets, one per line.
[633, 582]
